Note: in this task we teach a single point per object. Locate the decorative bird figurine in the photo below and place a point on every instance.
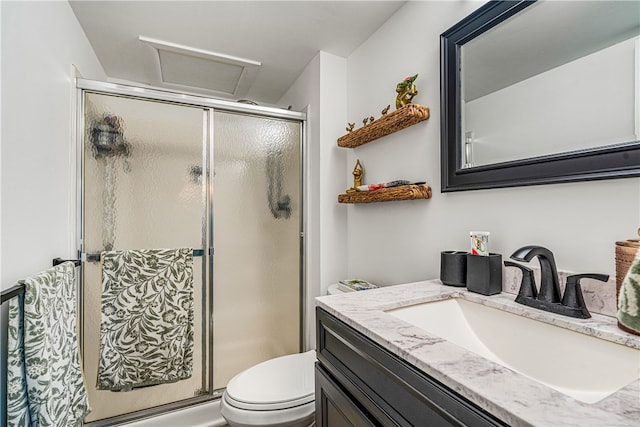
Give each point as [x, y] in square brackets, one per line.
[350, 126]
[386, 109]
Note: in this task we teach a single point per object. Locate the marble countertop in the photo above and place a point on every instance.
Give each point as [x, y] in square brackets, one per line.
[510, 396]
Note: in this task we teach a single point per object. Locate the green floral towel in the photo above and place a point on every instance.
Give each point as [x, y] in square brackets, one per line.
[146, 335]
[629, 298]
[45, 386]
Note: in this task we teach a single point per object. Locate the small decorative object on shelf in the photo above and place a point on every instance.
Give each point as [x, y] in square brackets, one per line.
[385, 110]
[358, 172]
[396, 120]
[403, 192]
[350, 126]
[367, 120]
[379, 186]
[406, 90]
[353, 285]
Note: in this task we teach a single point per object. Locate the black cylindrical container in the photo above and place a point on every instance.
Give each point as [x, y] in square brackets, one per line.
[453, 268]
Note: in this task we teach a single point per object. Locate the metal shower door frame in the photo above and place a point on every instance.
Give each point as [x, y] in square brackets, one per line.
[209, 106]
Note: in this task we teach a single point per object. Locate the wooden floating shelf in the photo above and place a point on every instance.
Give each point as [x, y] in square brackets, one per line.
[392, 122]
[405, 192]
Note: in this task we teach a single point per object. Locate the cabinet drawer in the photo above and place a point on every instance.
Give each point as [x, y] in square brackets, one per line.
[390, 389]
[334, 407]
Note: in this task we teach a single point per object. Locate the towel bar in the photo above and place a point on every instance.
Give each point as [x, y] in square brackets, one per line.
[18, 289]
[96, 256]
[57, 261]
[13, 291]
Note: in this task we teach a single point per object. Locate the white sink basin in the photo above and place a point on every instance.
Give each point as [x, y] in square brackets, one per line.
[581, 366]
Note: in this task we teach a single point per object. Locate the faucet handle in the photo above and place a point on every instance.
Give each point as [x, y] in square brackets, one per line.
[573, 291]
[527, 285]
[597, 276]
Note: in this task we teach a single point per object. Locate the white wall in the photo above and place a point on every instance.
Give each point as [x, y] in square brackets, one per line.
[333, 225]
[397, 242]
[40, 42]
[321, 92]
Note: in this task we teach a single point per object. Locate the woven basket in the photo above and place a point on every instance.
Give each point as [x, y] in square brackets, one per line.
[625, 254]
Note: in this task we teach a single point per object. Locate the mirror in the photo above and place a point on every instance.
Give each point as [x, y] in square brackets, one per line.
[541, 92]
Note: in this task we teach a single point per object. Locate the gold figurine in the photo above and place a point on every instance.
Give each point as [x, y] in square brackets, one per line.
[406, 91]
[358, 171]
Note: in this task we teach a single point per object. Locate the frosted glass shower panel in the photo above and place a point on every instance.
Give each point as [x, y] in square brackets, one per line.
[142, 188]
[256, 234]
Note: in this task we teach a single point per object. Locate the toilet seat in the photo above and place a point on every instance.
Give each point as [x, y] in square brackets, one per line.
[298, 416]
[280, 383]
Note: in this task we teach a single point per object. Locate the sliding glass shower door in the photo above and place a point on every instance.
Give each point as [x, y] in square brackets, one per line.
[256, 214]
[142, 189]
[160, 175]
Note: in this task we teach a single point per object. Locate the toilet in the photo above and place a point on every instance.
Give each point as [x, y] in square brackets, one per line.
[333, 289]
[279, 392]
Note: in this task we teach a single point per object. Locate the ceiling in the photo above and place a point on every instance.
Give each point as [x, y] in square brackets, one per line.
[133, 38]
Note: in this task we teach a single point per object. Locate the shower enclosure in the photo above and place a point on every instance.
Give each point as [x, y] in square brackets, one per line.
[160, 170]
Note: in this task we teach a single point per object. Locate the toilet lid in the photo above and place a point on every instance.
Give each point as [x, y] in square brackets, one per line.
[279, 383]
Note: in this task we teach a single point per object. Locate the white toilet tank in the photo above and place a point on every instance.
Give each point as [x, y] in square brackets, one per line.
[333, 290]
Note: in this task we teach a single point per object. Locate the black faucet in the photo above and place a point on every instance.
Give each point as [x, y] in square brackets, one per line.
[549, 285]
[548, 297]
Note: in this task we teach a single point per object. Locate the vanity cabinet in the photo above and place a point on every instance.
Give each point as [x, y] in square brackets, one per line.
[360, 383]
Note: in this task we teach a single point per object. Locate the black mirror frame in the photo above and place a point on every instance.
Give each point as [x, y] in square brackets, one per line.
[615, 161]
